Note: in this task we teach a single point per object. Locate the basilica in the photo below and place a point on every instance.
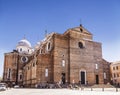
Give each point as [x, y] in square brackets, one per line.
[71, 57]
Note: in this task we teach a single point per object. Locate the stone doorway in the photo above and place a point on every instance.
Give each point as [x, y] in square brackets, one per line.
[63, 78]
[83, 78]
[97, 79]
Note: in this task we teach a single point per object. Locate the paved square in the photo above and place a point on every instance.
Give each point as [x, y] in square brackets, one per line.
[96, 91]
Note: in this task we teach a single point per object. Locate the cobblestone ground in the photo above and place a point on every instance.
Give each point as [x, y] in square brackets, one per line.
[86, 91]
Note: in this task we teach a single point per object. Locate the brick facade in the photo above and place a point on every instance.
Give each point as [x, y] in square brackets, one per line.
[115, 73]
[71, 57]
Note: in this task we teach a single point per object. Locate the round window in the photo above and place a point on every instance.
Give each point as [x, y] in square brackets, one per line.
[24, 59]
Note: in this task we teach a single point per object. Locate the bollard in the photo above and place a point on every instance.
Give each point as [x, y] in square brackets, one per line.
[91, 89]
[116, 89]
[82, 88]
[103, 89]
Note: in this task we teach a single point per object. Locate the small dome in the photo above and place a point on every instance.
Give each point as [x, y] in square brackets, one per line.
[24, 42]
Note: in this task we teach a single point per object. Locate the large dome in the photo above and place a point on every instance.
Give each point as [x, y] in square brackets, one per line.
[24, 42]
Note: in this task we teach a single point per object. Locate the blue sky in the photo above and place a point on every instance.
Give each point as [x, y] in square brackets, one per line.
[32, 17]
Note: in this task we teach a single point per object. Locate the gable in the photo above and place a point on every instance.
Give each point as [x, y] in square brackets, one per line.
[81, 29]
[79, 32]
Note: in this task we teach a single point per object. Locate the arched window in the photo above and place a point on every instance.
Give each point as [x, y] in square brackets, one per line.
[80, 44]
[81, 30]
[46, 72]
[20, 77]
[63, 63]
[33, 64]
[96, 66]
[20, 49]
[48, 48]
[104, 75]
[41, 51]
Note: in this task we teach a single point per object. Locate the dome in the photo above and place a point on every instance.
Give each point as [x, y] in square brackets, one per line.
[24, 42]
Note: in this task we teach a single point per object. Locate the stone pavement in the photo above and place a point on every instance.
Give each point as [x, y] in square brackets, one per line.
[86, 91]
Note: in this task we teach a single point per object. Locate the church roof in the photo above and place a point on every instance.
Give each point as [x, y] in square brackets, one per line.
[79, 29]
[115, 63]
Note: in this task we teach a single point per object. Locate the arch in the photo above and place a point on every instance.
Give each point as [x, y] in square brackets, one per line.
[41, 51]
[48, 47]
[20, 49]
[80, 44]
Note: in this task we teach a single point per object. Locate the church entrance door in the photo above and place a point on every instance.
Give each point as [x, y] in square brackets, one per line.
[82, 73]
[63, 78]
[97, 79]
